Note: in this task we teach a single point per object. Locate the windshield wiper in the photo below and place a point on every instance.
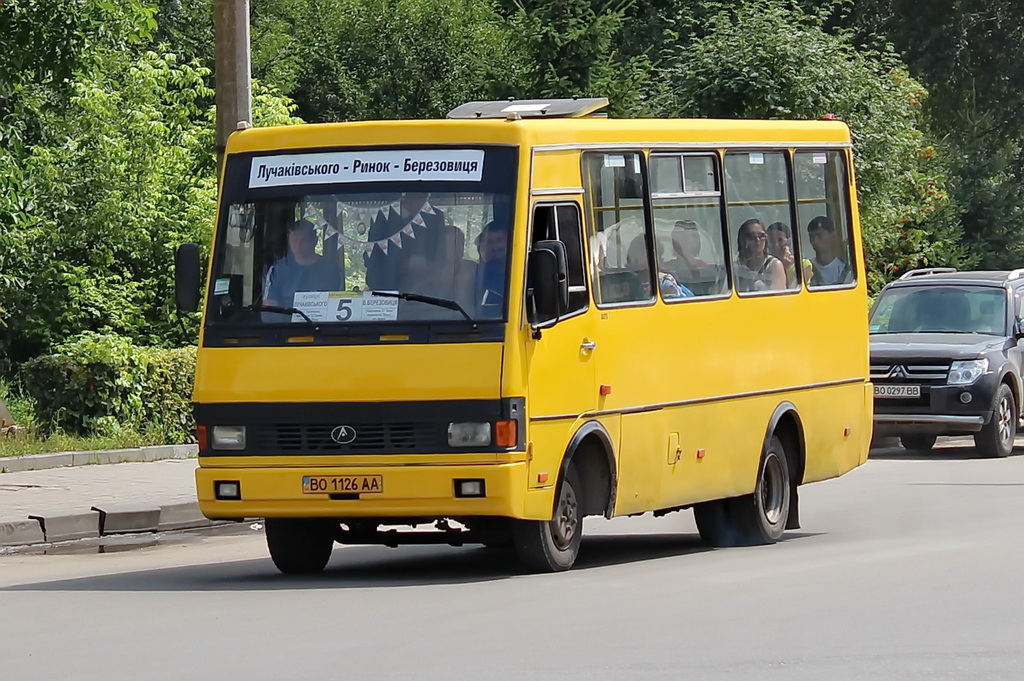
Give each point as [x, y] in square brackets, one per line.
[429, 300]
[280, 310]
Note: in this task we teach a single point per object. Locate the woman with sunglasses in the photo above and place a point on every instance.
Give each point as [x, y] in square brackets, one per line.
[756, 268]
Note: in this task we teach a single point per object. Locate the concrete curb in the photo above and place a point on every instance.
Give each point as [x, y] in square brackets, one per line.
[38, 462]
[125, 519]
[69, 526]
[21, 533]
[103, 522]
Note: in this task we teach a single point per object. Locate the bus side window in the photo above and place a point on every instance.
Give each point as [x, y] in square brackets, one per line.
[760, 213]
[824, 217]
[620, 240]
[562, 222]
[687, 204]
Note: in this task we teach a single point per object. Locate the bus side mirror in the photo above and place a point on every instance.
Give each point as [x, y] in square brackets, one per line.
[547, 283]
[187, 277]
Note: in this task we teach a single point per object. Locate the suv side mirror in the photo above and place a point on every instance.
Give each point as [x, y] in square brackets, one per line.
[1018, 328]
[547, 283]
[187, 278]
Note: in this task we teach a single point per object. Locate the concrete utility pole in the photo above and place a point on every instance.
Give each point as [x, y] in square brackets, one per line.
[232, 75]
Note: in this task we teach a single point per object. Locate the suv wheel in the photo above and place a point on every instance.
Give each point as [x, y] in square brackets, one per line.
[917, 443]
[996, 438]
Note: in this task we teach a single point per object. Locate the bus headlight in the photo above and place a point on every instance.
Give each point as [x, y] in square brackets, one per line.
[967, 371]
[227, 437]
[469, 434]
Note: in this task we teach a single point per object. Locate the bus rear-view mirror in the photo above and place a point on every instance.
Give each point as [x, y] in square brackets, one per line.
[187, 277]
[548, 282]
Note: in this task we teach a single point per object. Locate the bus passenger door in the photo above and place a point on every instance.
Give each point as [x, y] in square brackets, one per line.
[561, 362]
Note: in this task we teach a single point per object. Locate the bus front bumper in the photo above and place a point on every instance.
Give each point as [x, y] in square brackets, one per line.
[398, 492]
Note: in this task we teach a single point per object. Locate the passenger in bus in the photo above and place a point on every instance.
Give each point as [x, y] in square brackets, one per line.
[447, 274]
[636, 261]
[301, 269]
[756, 268]
[392, 266]
[780, 244]
[489, 277]
[687, 267]
[827, 267]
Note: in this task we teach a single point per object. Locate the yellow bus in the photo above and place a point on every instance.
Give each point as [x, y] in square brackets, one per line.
[484, 328]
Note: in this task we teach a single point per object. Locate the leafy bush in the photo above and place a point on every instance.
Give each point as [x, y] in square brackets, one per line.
[85, 380]
[21, 406]
[101, 384]
[167, 395]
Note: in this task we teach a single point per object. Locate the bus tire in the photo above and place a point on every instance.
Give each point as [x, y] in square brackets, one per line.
[995, 439]
[299, 546]
[552, 545]
[758, 518]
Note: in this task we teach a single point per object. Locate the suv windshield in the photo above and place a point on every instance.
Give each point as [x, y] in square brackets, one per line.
[940, 309]
[305, 252]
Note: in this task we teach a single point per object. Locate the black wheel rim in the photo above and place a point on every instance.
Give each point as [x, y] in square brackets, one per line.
[772, 489]
[563, 525]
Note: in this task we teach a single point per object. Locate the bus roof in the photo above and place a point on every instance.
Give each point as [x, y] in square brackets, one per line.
[553, 133]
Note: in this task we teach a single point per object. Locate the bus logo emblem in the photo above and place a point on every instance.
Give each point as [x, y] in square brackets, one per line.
[343, 435]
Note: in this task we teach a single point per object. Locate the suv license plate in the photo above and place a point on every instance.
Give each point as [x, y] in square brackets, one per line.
[342, 484]
[897, 391]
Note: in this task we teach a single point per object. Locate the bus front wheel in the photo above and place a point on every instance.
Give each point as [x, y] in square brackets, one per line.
[758, 518]
[552, 545]
[299, 545]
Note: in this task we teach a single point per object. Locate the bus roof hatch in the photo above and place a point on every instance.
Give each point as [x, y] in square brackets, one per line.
[532, 108]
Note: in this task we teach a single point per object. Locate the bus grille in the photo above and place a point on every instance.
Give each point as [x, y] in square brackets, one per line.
[370, 438]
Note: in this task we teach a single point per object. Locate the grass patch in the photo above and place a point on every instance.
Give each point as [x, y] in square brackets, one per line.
[28, 442]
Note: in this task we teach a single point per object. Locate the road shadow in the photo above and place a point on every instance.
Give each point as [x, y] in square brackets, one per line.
[358, 567]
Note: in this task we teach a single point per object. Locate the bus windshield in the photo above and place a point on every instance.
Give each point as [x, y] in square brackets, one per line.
[323, 257]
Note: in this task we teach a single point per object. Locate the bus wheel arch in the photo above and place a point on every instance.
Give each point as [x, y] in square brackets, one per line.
[585, 486]
[786, 425]
[591, 453]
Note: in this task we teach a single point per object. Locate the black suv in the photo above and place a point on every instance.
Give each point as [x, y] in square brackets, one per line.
[946, 358]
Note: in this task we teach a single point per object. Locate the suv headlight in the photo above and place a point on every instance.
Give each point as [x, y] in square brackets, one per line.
[967, 371]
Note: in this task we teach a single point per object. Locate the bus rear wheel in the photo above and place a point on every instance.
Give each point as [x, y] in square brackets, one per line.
[300, 545]
[758, 518]
[552, 545]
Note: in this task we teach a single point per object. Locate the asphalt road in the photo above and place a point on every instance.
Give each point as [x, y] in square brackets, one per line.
[907, 568]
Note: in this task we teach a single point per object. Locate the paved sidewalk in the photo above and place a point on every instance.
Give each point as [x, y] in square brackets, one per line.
[76, 502]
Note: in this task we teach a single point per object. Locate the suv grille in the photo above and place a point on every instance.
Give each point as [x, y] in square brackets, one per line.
[370, 437]
[930, 372]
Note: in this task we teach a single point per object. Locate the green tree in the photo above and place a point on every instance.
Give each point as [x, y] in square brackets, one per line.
[573, 49]
[369, 59]
[968, 53]
[770, 59]
[110, 200]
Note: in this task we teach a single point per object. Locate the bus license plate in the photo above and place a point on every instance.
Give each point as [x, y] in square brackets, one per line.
[897, 391]
[342, 484]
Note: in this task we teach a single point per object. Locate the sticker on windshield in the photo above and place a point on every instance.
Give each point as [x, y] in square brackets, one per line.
[344, 306]
[458, 165]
